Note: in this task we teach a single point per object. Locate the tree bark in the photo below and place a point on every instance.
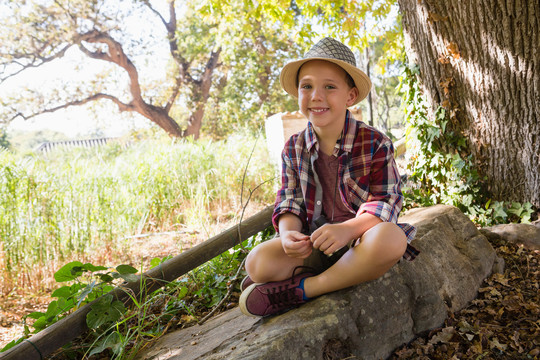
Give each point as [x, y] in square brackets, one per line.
[115, 54]
[202, 92]
[480, 60]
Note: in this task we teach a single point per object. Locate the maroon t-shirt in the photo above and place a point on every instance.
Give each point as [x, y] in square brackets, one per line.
[326, 167]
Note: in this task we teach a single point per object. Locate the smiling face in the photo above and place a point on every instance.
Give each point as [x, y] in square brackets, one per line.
[324, 95]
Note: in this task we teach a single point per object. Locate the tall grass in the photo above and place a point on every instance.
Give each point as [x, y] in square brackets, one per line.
[71, 203]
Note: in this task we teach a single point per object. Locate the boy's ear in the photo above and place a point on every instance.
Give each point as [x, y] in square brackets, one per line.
[353, 95]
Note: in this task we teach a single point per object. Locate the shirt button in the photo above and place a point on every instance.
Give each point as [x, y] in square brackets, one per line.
[318, 202]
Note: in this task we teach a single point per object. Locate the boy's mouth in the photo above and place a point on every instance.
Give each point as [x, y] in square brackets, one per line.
[318, 110]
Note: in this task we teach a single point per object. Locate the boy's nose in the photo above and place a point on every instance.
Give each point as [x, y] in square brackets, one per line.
[316, 94]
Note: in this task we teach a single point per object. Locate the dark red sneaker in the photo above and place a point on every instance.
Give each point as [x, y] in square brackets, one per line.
[273, 297]
[246, 282]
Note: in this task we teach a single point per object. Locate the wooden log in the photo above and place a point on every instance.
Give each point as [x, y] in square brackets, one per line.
[60, 333]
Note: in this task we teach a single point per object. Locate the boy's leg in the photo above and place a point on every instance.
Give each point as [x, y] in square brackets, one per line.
[379, 249]
[268, 262]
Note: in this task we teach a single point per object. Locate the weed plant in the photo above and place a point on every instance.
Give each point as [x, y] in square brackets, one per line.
[119, 332]
[69, 204]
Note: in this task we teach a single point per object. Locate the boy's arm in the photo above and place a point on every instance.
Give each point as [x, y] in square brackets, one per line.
[385, 198]
[289, 198]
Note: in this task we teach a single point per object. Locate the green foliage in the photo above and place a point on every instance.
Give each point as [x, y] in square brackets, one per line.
[71, 202]
[253, 40]
[88, 283]
[122, 332]
[4, 142]
[441, 170]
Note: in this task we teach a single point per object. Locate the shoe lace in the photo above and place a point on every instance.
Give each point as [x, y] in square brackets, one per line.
[282, 296]
[285, 295]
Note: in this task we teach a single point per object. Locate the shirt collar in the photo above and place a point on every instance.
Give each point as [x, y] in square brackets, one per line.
[344, 144]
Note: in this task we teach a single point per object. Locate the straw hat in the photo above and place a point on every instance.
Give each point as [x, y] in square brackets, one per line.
[331, 50]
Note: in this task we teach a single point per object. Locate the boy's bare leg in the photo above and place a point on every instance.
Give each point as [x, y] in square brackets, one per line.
[379, 249]
[268, 262]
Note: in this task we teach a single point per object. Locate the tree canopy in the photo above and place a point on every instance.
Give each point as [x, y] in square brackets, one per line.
[221, 64]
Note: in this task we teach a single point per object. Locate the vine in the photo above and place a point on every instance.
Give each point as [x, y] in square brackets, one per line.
[441, 169]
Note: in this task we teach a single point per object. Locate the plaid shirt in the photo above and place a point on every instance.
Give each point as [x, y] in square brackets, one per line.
[368, 178]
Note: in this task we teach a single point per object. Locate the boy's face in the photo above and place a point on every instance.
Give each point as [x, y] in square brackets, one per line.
[324, 95]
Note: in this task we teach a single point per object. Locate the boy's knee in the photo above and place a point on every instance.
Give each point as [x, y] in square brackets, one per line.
[251, 260]
[258, 257]
[387, 238]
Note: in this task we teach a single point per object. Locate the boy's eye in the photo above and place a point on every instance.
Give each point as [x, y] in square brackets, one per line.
[330, 87]
[305, 86]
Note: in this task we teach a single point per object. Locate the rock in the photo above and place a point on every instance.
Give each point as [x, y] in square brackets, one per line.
[367, 321]
[524, 234]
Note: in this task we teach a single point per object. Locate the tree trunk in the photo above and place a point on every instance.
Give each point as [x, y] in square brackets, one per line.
[160, 117]
[195, 122]
[369, 97]
[480, 60]
[202, 92]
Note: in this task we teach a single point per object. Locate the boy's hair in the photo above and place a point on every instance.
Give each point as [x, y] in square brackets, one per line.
[348, 78]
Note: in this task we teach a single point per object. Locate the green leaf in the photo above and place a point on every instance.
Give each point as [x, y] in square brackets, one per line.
[182, 292]
[64, 291]
[41, 323]
[93, 268]
[126, 269]
[104, 311]
[35, 315]
[12, 344]
[112, 340]
[52, 309]
[106, 278]
[69, 272]
[155, 262]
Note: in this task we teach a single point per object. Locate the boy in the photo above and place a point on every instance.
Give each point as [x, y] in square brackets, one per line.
[339, 183]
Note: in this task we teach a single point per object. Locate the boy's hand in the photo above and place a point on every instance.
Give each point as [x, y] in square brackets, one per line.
[296, 245]
[330, 238]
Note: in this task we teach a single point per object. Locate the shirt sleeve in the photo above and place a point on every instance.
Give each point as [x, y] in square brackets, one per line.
[289, 197]
[385, 198]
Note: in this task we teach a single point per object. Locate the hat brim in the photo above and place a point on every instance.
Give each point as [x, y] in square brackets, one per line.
[289, 73]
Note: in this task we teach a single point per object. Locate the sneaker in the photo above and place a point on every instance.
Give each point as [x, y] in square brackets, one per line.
[273, 297]
[246, 282]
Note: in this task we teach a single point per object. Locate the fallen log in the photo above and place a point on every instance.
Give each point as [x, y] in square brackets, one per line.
[67, 329]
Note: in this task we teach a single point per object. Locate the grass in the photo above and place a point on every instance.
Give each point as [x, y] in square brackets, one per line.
[82, 203]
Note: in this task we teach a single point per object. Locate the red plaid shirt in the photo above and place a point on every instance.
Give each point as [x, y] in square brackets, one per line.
[368, 178]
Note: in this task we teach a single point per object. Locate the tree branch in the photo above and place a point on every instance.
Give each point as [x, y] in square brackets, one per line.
[182, 65]
[115, 55]
[36, 61]
[121, 106]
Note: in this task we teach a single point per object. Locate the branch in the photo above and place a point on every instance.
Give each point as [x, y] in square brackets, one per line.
[115, 55]
[35, 61]
[121, 106]
[182, 65]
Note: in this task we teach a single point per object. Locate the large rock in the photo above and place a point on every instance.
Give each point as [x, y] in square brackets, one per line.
[367, 321]
[523, 234]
